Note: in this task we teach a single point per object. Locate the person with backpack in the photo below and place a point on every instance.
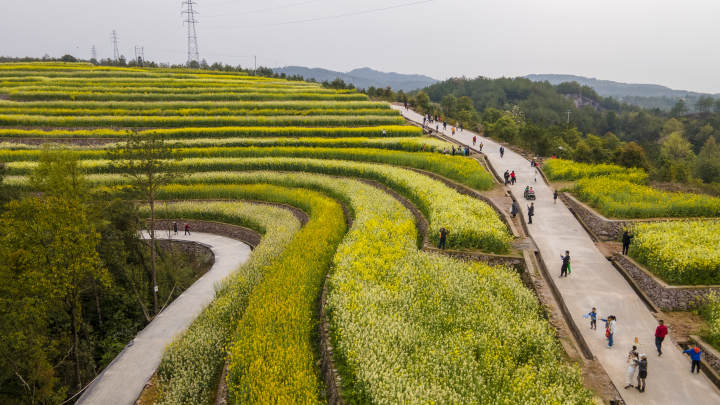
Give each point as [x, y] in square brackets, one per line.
[694, 352]
[642, 372]
[443, 238]
[565, 268]
[626, 239]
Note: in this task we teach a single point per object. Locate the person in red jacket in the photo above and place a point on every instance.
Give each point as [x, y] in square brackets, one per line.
[660, 332]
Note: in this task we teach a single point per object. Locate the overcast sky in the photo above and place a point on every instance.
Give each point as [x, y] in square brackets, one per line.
[674, 43]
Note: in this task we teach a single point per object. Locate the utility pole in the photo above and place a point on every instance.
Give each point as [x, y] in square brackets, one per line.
[116, 53]
[568, 118]
[139, 54]
[192, 45]
[255, 70]
[93, 53]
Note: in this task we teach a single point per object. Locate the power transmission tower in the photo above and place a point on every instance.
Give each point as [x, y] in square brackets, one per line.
[116, 53]
[93, 52]
[192, 46]
[139, 54]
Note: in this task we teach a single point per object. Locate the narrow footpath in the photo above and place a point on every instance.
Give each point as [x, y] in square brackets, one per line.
[124, 378]
[594, 282]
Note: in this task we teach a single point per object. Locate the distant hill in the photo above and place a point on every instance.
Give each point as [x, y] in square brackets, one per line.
[643, 95]
[362, 78]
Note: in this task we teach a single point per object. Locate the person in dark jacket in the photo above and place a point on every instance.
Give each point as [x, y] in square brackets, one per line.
[502, 151]
[694, 353]
[660, 332]
[443, 238]
[626, 239]
[175, 227]
[642, 372]
[514, 209]
[187, 229]
[565, 264]
[555, 196]
[531, 212]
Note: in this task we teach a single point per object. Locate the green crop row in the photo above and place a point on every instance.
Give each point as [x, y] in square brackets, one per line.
[36, 81]
[623, 199]
[182, 105]
[185, 112]
[122, 96]
[181, 121]
[222, 132]
[561, 169]
[679, 252]
[10, 151]
[190, 365]
[238, 88]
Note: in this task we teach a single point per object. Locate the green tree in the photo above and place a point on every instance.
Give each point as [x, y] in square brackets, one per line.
[422, 101]
[670, 126]
[708, 161]
[59, 174]
[717, 105]
[147, 161]
[632, 155]
[505, 128]
[677, 157]
[679, 109]
[705, 104]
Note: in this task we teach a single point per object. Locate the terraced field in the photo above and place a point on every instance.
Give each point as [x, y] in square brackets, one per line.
[408, 326]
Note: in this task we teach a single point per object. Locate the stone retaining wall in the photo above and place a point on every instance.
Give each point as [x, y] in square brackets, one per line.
[191, 248]
[246, 235]
[601, 227]
[667, 297]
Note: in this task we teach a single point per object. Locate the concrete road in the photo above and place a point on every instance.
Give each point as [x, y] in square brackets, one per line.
[594, 282]
[123, 379]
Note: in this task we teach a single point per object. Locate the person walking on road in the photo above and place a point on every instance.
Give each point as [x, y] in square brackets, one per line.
[593, 318]
[474, 139]
[514, 209]
[555, 196]
[660, 332]
[502, 151]
[480, 147]
[632, 361]
[175, 227]
[187, 229]
[453, 131]
[443, 238]
[444, 126]
[626, 239]
[506, 175]
[531, 212]
[642, 372]
[512, 177]
[694, 353]
[565, 268]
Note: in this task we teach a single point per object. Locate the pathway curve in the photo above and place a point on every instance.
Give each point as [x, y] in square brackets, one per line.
[594, 282]
[122, 381]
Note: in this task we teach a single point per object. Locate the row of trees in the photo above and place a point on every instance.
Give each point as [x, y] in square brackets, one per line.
[76, 281]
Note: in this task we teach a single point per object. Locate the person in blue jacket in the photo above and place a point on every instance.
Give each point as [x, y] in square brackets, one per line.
[694, 353]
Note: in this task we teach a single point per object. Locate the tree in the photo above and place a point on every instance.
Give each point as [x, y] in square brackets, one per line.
[679, 109]
[677, 157]
[705, 104]
[632, 155]
[708, 161]
[59, 174]
[717, 105]
[146, 161]
[422, 101]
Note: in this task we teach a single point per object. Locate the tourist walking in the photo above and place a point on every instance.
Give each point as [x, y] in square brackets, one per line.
[694, 352]
[626, 239]
[506, 175]
[502, 151]
[531, 212]
[555, 196]
[565, 268]
[480, 147]
[642, 372]
[514, 209]
[512, 177]
[632, 360]
[593, 318]
[660, 332]
[453, 131]
[175, 227]
[443, 238]
[474, 139]
[187, 229]
[444, 125]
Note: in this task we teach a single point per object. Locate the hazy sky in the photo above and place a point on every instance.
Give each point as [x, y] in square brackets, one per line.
[674, 43]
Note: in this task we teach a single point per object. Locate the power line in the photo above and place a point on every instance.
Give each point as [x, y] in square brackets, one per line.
[330, 17]
[116, 53]
[263, 10]
[193, 53]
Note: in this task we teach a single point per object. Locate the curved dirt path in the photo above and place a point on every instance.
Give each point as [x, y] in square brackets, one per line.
[594, 282]
[122, 381]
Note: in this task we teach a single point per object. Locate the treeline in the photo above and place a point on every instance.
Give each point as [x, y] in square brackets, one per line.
[573, 121]
[75, 282]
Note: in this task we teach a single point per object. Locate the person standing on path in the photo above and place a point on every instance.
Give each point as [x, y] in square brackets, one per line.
[565, 264]
[660, 332]
[593, 318]
[632, 361]
[474, 139]
[514, 209]
[506, 175]
[453, 131]
[187, 229]
[502, 151]
[443, 238]
[444, 126]
[175, 227]
[480, 147]
[626, 239]
[531, 212]
[512, 177]
[642, 372]
[555, 196]
[694, 353]
[610, 329]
